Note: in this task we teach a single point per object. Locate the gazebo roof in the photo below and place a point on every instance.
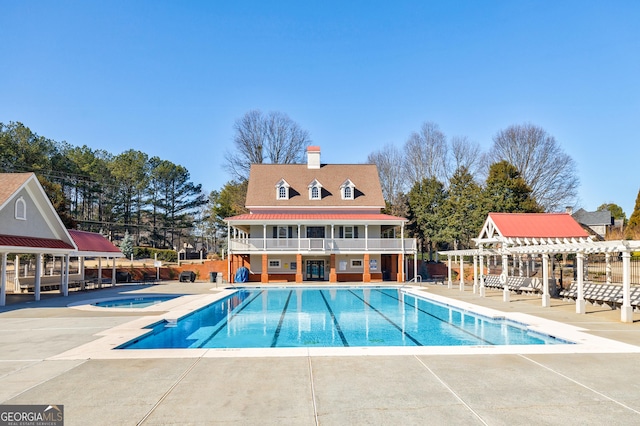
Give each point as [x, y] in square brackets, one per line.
[91, 244]
[502, 226]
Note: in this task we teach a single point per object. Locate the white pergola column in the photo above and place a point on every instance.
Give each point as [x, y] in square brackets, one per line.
[546, 297]
[580, 303]
[475, 274]
[3, 280]
[607, 258]
[81, 262]
[482, 288]
[626, 314]
[449, 282]
[505, 274]
[37, 279]
[461, 273]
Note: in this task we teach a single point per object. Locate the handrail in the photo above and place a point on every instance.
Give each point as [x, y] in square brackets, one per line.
[413, 280]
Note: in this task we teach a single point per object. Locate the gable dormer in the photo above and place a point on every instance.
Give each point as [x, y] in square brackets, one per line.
[315, 190]
[282, 190]
[347, 190]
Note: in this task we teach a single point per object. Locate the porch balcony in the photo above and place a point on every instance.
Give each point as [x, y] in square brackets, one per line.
[336, 245]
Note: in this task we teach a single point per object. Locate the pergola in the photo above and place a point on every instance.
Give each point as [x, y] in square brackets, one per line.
[507, 235]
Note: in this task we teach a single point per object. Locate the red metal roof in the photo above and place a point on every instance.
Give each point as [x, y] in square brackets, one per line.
[315, 217]
[537, 225]
[92, 242]
[33, 242]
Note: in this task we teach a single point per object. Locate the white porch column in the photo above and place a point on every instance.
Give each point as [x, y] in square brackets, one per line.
[475, 274]
[580, 303]
[449, 282]
[505, 274]
[113, 270]
[366, 238]
[65, 284]
[100, 272]
[3, 280]
[626, 309]
[607, 258]
[546, 297]
[36, 283]
[299, 229]
[461, 273]
[264, 237]
[16, 274]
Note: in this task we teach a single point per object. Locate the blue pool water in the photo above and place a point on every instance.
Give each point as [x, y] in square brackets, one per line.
[134, 302]
[331, 317]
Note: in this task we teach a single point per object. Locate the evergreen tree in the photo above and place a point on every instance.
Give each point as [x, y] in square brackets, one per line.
[463, 209]
[633, 226]
[506, 191]
[426, 219]
[126, 245]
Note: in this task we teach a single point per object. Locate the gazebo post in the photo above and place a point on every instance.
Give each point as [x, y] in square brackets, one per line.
[3, 280]
[99, 283]
[113, 271]
[461, 273]
[626, 314]
[449, 282]
[36, 283]
[580, 303]
[16, 274]
[67, 260]
[475, 274]
[546, 297]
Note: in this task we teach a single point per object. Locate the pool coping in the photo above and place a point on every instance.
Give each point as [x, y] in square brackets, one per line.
[104, 346]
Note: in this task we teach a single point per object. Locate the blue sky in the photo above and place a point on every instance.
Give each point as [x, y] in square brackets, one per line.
[170, 78]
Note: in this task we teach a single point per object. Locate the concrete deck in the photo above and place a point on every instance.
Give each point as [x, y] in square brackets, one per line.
[494, 389]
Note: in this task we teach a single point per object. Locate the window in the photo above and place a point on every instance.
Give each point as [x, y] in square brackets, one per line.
[356, 263]
[282, 190]
[348, 232]
[347, 190]
[348, 195]
[283, 232]
[274, 263]
[21, 209]
[315, 190]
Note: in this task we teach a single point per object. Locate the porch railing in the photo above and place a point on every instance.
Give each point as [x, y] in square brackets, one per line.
[335, 245]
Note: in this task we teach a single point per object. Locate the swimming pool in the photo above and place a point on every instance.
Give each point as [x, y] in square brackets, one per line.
[133, 302]
[332, 317]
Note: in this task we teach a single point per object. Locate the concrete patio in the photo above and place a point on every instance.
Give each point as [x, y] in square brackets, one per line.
[488, 389]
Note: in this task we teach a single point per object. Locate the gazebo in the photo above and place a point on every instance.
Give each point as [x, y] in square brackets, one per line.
[30, 225]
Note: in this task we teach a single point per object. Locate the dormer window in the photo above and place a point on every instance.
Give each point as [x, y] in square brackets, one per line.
[315, 190]
[282, 190]
[21, 209]
[347, 190]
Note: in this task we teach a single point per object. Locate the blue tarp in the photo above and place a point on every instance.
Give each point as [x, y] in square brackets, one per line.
[242, 275]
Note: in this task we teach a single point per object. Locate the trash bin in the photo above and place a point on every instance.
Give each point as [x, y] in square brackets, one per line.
[219, 278]
[212, 277]
[187, 276]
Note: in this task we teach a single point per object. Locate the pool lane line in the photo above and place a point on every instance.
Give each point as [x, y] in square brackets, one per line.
[335, 320]
[226, 323]
[388, 320]
[440, 319]
[284, 311]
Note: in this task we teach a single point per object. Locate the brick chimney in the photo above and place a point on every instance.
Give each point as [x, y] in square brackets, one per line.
[313, 157]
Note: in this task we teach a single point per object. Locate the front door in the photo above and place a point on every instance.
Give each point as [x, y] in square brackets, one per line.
[315, 270]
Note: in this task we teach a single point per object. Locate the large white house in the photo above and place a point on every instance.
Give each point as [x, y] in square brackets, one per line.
[317, 222]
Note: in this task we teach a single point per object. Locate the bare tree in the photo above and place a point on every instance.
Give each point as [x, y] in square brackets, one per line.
[389, 161]
[265, 138]
[468, 154]
[545, 167]
[426, 154]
